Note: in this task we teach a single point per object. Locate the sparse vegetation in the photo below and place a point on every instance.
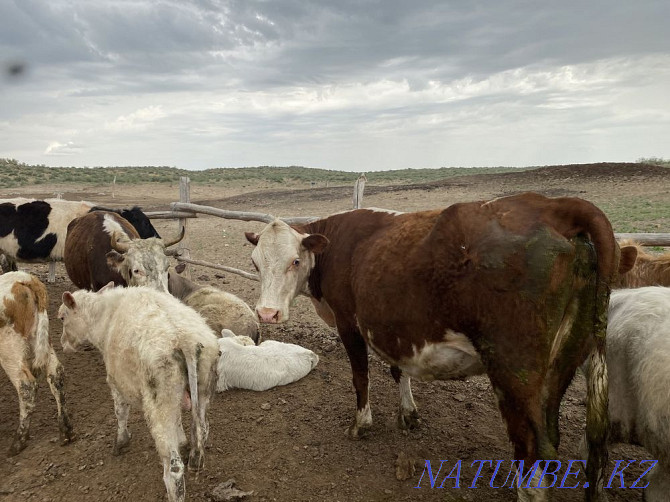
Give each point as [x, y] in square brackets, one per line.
[657, 161]
[14, 173]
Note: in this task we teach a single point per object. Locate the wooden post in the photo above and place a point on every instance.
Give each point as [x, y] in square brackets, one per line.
[114, 187]
[359, 188]
[184, 196]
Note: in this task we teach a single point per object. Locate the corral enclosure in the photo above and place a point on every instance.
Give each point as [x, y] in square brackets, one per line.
[289, 443]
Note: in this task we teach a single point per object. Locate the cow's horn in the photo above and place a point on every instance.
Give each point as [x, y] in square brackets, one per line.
[121, 247]
[175, 241]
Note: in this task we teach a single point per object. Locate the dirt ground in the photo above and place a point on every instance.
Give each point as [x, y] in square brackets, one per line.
[295, 449]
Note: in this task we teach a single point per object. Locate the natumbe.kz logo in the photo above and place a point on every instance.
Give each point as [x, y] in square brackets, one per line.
[514, 474]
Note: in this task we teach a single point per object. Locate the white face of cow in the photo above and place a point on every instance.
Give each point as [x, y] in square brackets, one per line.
[284, 259]
[143, 264]
[75, 325]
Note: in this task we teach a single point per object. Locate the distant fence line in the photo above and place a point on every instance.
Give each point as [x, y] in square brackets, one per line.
[184, 209]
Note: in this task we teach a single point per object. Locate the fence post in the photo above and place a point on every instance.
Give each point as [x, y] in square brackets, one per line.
[184, 196]
[359, 188]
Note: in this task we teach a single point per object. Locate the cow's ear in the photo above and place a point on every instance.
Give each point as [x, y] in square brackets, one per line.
[252, 237]
[114, 259]
[109, 285]
[68, 300]
[627, 259]
[316, 243]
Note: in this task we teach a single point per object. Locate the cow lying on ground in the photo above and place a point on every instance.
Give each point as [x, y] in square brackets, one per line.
[649, 269]
[517, 287]
[25, 351]
[220, 309]
[154, 348]
[243, 365]
[638, 363]
[102, 246]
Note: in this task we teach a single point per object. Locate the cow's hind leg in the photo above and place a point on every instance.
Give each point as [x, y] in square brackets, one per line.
[408, 416]
[162, 410]
[12, 360]
[56, 380]
[121, 409]
[358, 358]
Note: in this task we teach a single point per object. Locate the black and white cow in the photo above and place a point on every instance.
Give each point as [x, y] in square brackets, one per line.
[34, 230]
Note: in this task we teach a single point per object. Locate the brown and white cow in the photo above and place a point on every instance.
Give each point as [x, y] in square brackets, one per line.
[155, 348]
[102, 246]
[25, 351]
[516, 287]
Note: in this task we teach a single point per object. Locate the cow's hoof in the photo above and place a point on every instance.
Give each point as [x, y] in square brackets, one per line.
[196, 460]
[17, 446]
[121, 445]
[66, 439]
[408, 420]
[357, 432]
[66, 433]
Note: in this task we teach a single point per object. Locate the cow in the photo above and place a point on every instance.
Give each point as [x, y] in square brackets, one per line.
[638, 363]
[102, 246]
[649, 269]
[516, 287]
[220, 309]
[136, 218]
[155, 349]
[26, 353]
[34, 230]
[243, 365]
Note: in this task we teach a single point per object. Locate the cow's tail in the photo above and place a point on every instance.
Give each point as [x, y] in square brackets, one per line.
[596, 224]
[35, 294]
[597, 422]
[192, 356]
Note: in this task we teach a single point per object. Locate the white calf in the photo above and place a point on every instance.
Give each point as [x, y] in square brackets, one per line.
[243, 365]
[638, 360]
[25, 351]
[154, 348]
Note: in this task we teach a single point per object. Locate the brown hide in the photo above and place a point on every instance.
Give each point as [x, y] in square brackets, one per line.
[510, 274]
[86, 248]
[649, 269]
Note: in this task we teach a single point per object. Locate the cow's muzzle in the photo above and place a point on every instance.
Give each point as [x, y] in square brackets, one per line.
[268, 315]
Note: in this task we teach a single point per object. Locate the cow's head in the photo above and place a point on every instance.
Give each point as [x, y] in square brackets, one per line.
[284, 259]
[75, 325]
[141, 262]
[75, 313]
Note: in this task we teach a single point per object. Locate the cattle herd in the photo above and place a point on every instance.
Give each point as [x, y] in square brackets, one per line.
[518, 288]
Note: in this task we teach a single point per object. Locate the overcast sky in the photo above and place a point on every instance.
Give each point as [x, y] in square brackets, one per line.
[337, 84]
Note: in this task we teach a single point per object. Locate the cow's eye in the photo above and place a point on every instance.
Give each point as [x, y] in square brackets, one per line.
[296, 262]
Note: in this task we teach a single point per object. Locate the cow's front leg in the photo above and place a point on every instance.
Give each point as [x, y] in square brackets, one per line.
[408, 416]
[121, 409]
[358, 357]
